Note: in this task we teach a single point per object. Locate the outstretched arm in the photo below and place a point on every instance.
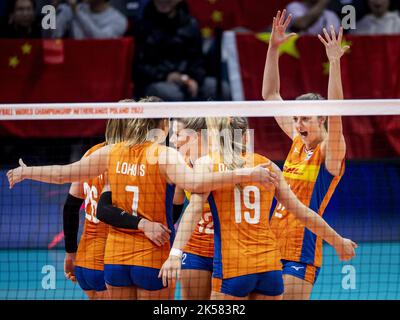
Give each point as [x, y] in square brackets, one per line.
[176, 171]
[334, 146]
[344, 247]
[84, 169]
[271, 78]
[71, 209]
[190, 218]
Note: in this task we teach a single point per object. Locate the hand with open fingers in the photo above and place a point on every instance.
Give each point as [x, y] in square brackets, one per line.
[170, 270]
[346, 249]
[154, 231]
[279, 26]
[69, 266]
[16, 175]
[333, 44]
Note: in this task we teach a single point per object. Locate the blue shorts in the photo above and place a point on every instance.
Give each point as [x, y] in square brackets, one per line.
[266, 283]
[129, 276]
[195, 262]
[90, 279]
[301, 270]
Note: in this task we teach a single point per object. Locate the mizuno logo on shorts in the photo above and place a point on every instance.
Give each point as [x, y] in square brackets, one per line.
[297, 268]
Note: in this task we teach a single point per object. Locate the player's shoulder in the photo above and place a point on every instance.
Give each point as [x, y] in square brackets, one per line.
[261, 159]
[95, 148]
[297, 139]
[257, 159]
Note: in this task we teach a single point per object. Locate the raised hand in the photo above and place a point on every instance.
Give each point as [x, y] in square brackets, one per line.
[333, 44]
[16, 175]
[279, 26]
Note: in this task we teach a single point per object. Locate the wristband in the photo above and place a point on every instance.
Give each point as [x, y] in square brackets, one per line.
[176, 253]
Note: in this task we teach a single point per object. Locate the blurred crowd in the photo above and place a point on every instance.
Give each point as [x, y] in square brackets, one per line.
[170, 56]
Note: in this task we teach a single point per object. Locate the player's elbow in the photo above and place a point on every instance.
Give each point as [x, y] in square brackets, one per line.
[299, 210]
[60, 179]
[270, 96]
[334, 166]
[101, 213]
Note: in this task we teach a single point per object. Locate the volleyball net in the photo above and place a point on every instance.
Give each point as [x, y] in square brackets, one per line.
[364, 206]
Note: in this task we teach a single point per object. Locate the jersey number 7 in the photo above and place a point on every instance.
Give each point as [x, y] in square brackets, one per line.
[135, 200]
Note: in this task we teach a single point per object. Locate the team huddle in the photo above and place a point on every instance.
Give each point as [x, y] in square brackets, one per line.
[187, 199]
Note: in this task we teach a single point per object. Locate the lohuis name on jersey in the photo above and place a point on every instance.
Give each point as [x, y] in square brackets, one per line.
[132, 169]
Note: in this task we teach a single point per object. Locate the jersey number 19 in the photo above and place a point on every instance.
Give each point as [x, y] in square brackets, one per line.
[252, 205]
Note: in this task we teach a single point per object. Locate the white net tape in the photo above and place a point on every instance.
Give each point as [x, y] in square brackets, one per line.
[198, 109]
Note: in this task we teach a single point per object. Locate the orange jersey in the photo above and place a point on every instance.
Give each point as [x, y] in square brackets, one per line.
[91, 247]
[313, 185]
[244, 242]
[201, 242]
[139, 188]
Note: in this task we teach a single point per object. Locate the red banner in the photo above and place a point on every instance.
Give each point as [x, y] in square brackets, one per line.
[371, 70]
[65, 70]
[39, 71]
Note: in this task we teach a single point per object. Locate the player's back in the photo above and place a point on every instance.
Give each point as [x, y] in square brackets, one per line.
[90, 252]
[138, 188]
[244, 243]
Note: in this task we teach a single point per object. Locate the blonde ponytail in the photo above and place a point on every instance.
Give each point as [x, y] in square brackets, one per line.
[138, 129]
[230, 146]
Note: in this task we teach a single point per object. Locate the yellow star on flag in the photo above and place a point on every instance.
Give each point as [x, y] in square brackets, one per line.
[217, 16]
[13, 62]
[347, 43]
[26, 48]
[206, 32]
[289, 47]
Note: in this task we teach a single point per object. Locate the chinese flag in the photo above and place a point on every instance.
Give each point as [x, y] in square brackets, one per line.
[53, 51]
[40, 71]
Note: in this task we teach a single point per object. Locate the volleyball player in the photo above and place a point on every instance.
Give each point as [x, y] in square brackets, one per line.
[189, 136]
[313, 168]
[85, 262]
[246, 259]
[141, 175]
